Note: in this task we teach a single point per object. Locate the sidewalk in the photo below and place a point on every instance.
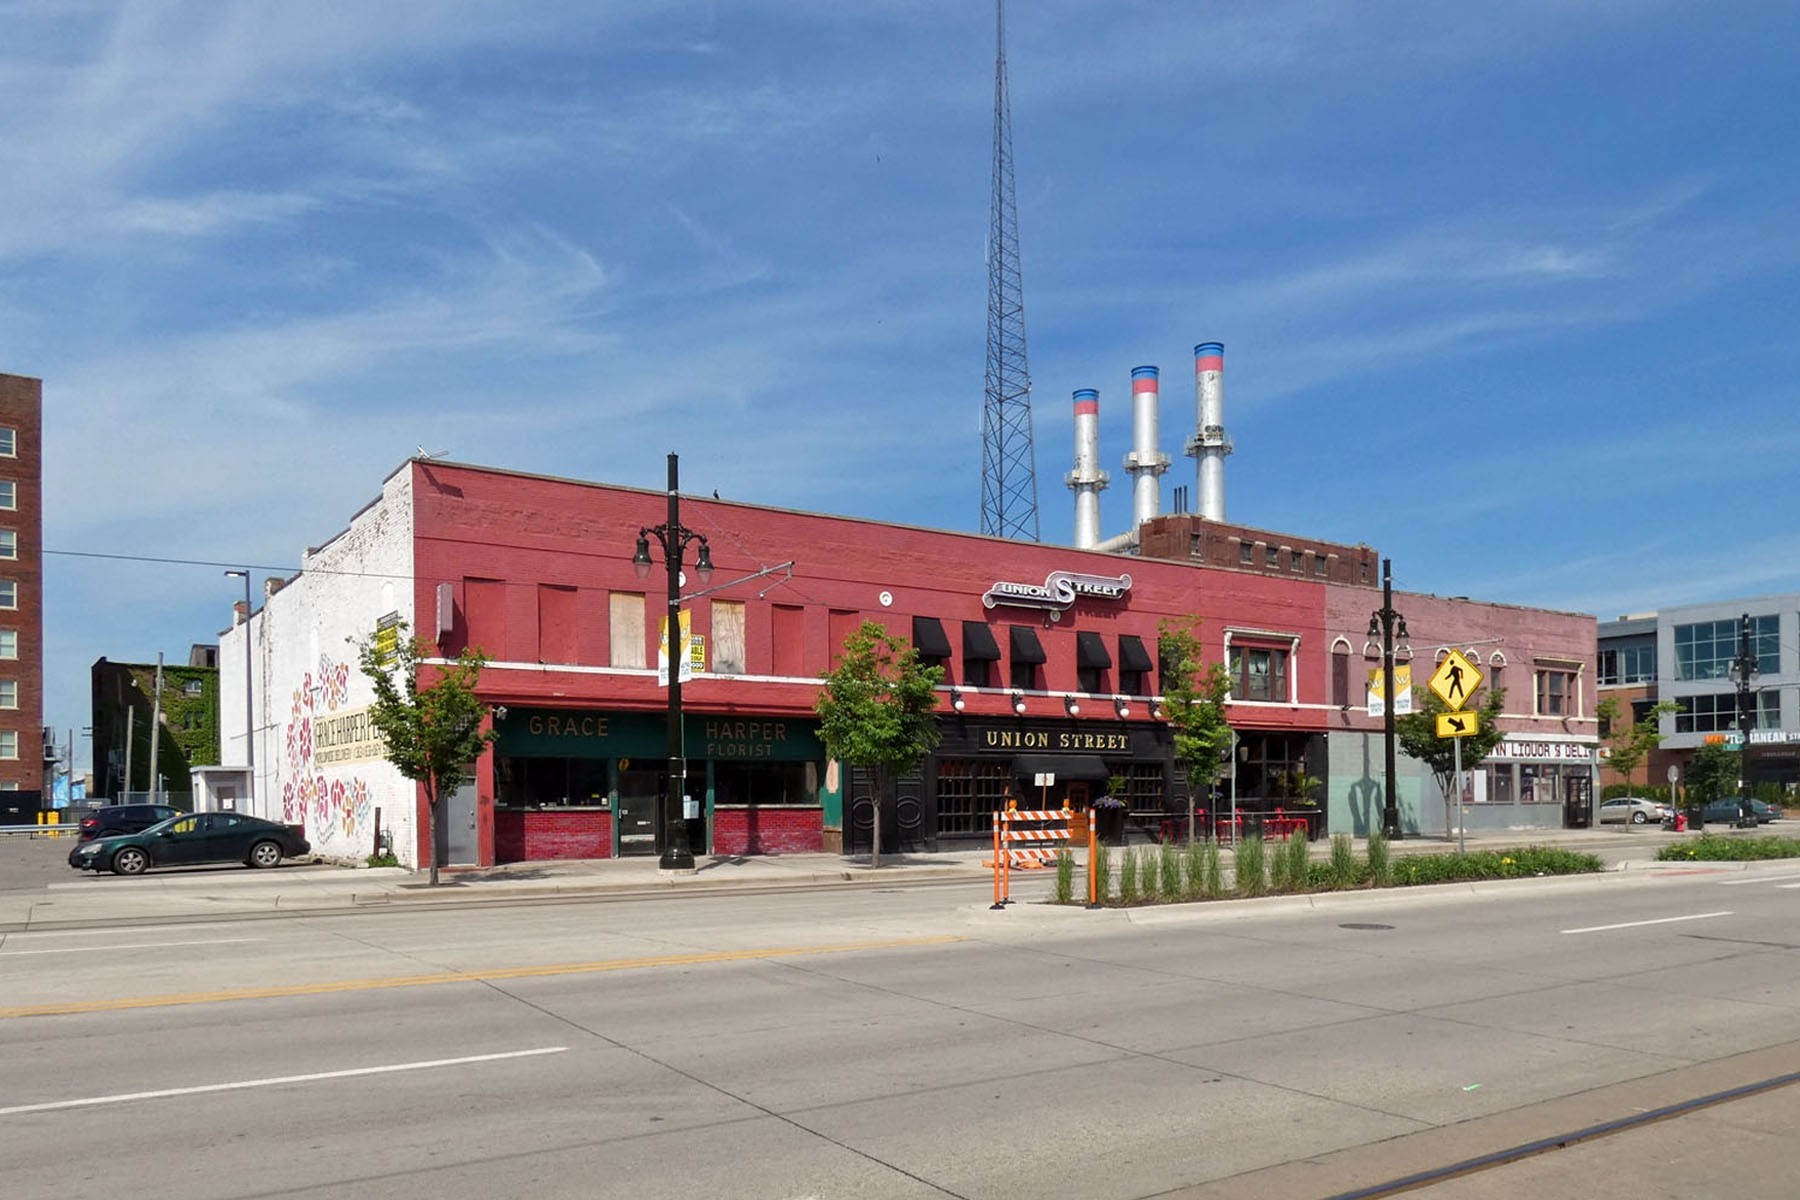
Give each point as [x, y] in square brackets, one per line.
[211, 893]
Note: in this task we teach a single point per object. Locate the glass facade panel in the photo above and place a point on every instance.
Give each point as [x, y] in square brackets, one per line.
[1705, 650]
[1718, 713]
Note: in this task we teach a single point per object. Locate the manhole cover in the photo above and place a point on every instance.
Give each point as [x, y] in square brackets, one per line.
[1363, 925]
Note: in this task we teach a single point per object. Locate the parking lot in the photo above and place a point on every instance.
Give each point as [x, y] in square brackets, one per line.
[29, 861]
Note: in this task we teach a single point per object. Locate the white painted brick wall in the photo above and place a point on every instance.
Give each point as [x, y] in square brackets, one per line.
[306, 671]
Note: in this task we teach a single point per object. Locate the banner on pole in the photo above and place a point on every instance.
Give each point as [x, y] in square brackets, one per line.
[685, 651]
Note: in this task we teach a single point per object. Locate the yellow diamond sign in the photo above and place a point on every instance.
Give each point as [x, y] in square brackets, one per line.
[1455, 681]
[1457, 724]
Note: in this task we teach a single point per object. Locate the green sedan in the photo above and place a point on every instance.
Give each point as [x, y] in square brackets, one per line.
[214, 837]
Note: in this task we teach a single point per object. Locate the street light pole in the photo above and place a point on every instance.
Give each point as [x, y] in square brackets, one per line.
[1745, 664]
[673, 536]
[1386, 624]
[249, 706]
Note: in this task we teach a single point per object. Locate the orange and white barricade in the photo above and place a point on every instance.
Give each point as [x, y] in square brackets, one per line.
[1026, 839]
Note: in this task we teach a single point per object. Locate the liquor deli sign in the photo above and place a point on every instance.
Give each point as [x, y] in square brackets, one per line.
[1553, 751]
[1059, 590]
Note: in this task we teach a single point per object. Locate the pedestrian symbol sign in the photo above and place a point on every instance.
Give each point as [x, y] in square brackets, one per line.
[1455, 680]
[1458, 724]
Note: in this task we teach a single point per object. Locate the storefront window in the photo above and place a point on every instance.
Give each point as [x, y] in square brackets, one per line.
[969, 792]
[551, 782]
[739, 784]
[1500, 783]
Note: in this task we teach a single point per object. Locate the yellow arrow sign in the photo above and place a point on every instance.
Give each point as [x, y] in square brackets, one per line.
[1455, 680]
[1457, 724]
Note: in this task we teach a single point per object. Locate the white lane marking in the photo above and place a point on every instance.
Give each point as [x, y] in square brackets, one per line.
[1761, 879]
[1787, 885]
[1657, 921]
[241, 1084]
[5, 953]
[117, 930]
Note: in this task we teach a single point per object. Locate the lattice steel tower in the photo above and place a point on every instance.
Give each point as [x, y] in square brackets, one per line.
[1008, 462]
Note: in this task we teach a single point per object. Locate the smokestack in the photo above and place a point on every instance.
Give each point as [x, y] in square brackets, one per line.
[1209, 445]
[1087, 480]
[1145, 463]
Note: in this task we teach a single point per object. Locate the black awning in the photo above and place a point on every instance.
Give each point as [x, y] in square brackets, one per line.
[1132, 655]
[1090, 651]
[929, 639]
[1025, 646]
[1081, 767]
[978, 643]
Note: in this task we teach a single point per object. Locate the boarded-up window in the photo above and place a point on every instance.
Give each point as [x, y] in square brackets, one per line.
[728, 637]
[556, 624]
[626, 629]
[787, 640]
[484, 606]
[844, 622]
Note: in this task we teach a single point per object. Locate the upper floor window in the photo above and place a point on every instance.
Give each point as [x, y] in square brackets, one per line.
[9, 543]
[728, 637]
[1718, 713]
[9, 643]
[9, 495]
[625, 629]
[1259, 673]
[1628, 664]
[9, 743]
[1246, 553]
[9, 442]
[1706, 649]
[9, 594]
[192, 687]
[1555, 692]
[9, 693]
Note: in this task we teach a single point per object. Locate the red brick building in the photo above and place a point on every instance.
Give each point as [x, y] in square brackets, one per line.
[22, 782]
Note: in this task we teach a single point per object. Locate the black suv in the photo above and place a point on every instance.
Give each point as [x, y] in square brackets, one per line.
[123, 818]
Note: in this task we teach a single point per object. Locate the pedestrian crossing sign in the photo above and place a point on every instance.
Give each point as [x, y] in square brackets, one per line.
[1455, 680]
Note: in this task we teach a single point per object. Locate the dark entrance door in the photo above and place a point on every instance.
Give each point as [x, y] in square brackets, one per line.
[636, 818]
[1578, 803]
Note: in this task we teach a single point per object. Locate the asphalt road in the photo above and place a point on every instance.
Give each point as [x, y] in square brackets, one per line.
[903, 1044]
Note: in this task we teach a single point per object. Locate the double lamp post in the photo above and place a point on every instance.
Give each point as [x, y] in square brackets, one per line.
[1386, 625]
[674, 537]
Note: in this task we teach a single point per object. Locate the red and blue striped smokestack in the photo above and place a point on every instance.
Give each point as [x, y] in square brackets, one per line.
[1144, 462]
[1209, 445]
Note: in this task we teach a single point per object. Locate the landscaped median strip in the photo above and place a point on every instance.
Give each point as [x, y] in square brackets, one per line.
[503, 973]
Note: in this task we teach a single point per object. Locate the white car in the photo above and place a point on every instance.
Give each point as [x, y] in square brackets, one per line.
[1635, 809]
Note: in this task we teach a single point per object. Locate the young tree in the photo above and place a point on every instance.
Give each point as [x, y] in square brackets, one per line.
[1194, 694]
[1417, 734]
[433, 732]
[1712, 774]
[879, 710]
[1631, 744]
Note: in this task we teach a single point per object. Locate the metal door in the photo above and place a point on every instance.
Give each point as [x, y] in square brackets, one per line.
[462, 845]
[639, 796]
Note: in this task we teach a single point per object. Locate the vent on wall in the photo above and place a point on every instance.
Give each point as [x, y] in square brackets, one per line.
[446, 608]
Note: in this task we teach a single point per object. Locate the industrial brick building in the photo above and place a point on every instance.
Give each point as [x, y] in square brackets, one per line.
[22, 733]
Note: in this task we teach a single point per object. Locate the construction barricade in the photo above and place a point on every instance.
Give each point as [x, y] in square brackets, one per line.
[1031, 839]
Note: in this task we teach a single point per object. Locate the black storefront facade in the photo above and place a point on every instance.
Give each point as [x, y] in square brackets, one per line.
[983, 762]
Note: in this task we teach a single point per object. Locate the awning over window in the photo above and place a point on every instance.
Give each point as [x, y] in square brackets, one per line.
[1132, 655]
[978, 643]
[929, 639]
[1025, 647]
[1090, 651]
[1080, 767]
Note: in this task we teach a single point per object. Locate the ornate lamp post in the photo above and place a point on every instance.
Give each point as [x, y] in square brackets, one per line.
[1745, 665]
[1386, 625]
[673, 536]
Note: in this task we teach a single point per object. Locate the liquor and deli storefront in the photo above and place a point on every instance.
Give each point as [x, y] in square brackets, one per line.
[980, 764]
[588, 784]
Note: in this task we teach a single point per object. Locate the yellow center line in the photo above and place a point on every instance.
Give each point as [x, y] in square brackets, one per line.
[402, 981]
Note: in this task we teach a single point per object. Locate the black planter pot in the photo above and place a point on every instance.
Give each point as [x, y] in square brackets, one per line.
[1109, 826]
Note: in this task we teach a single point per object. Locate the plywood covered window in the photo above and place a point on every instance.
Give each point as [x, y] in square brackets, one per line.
[728, 637]
[625, 628]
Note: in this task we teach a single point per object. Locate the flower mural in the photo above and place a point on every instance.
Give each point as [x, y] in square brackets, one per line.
[332, 807]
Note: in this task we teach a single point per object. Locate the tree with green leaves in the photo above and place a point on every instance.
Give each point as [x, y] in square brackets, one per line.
[878, 710]
[1417, 734]
[432, 731]
[1712, 773]
[1632, 743]
[1194, 694]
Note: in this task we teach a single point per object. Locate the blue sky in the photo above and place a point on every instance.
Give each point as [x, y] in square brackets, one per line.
[1507, 291]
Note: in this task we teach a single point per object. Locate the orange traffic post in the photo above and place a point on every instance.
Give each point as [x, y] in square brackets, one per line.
[1093, 864]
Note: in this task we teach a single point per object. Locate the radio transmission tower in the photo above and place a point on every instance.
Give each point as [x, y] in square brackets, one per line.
[1008, 463]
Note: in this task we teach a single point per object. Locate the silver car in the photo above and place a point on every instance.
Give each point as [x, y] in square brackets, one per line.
[1634, 809]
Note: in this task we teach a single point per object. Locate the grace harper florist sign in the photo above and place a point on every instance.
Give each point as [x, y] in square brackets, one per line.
[1059, 590]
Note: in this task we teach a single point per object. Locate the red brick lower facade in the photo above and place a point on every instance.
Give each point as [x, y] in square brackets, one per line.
[532, 836]
[768, 831]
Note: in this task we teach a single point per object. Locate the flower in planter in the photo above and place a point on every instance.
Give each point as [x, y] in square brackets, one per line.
[1109, 801]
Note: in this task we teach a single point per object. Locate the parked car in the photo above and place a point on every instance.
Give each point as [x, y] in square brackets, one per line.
[123, 818]
[1724, 811]
[1634, 809]
[189, 838]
